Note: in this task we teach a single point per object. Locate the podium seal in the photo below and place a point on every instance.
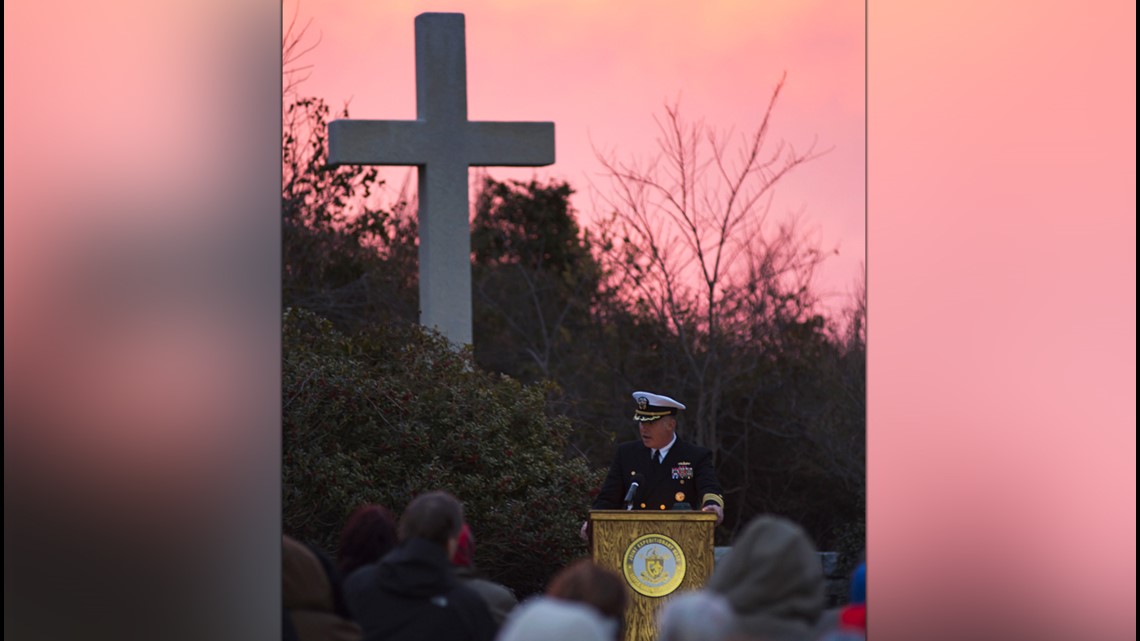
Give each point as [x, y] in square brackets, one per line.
[654, 565]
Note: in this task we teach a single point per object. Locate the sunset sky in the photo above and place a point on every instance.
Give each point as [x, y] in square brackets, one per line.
[601, 71]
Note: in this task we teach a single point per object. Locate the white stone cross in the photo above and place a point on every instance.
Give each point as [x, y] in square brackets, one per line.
[442, 143]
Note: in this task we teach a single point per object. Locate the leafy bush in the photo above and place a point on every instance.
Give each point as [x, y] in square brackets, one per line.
[392, 412]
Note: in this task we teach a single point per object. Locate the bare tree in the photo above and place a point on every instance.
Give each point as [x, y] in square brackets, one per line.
[293, 49]
[348, 247]
[853, 331]
[695, 247]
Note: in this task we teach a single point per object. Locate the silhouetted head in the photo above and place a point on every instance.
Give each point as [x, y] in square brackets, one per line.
[367, 536]
[695, 616]
[586, 582]
[435, 517]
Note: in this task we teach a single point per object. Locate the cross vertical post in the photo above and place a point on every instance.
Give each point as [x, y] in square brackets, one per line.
[442, 144]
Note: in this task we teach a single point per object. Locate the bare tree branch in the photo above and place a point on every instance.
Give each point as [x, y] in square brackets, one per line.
[695, 232]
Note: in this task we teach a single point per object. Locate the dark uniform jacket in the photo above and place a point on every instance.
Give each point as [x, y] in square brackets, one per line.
[412, 594]
[685, 476]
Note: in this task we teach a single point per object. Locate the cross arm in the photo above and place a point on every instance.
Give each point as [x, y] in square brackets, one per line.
[377, 142]
[510, 144]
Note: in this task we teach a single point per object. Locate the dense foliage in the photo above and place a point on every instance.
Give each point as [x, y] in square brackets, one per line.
[392, 412]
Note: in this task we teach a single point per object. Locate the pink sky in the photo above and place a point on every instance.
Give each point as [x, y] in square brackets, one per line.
[602, 70]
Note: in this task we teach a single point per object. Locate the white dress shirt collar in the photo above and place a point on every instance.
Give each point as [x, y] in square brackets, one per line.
[665, 450]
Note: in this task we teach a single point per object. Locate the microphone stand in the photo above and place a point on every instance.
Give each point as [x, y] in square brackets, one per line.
[629, 495]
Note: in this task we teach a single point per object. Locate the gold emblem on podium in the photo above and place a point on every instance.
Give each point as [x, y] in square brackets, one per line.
[654, 565]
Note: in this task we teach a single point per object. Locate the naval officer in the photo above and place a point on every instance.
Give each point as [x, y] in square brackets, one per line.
[667, 469]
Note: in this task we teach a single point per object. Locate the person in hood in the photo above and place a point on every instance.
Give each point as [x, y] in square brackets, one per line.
[412, 593]
[313, 608]
[773, 580]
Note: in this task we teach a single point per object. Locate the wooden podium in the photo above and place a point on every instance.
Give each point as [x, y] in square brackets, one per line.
[658, 553]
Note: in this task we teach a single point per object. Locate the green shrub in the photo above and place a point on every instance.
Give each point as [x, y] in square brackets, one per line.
[385, 415]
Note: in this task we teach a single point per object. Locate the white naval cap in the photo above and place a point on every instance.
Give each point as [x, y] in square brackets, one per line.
[651, 407]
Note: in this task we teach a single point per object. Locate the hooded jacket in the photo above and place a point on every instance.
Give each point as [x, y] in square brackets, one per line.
[412, 594]
[773, 580]
[310, 604]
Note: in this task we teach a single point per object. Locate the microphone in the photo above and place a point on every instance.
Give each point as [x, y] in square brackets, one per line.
[632, 491]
